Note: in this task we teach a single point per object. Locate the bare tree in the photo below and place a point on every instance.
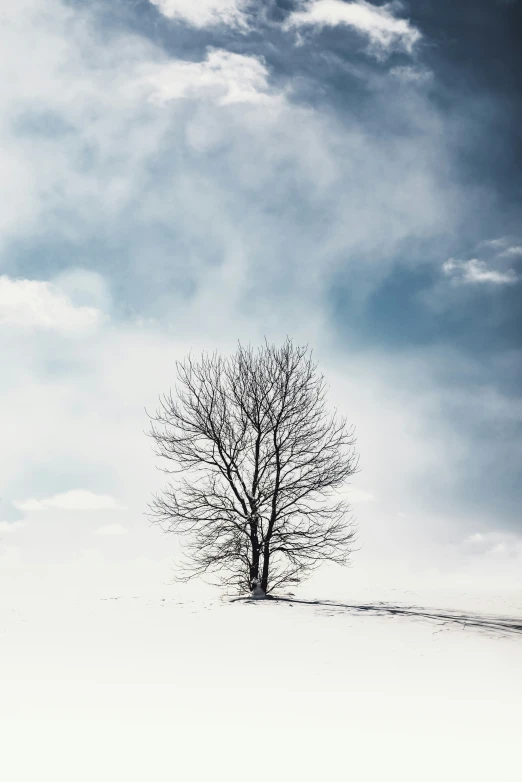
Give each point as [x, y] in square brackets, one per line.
[257, 459]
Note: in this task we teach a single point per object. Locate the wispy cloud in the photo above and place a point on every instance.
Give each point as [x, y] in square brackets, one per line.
[379, 24]
[223, 76]
[11, 526]
[504, 246]
[477, 272]
[500, 241]
[515, 250]
[205, 13]
[37, 304]
[411, 74]
[75, 500]
[493, 543]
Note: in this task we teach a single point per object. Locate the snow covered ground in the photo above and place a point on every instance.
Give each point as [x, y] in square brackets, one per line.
[187, 685]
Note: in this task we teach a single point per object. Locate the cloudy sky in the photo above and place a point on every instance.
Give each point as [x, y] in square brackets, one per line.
[178, 175]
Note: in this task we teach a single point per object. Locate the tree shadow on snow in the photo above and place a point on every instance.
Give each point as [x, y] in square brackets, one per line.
[492, 624]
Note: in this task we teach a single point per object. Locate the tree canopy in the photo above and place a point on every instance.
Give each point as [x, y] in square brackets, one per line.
[256, 460]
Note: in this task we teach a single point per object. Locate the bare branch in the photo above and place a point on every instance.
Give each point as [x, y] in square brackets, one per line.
[259, 460]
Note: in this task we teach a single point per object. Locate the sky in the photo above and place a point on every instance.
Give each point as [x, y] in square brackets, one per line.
[179, 176]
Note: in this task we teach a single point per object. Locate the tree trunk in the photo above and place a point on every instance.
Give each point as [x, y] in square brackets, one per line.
[254, 571]
[256, 554]
[266, 564]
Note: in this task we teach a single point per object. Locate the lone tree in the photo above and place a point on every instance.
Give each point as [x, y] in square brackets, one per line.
[257, 459]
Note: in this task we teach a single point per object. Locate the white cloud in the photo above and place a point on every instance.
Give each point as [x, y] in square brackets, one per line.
[11, 526]
[514, 250]
[411, 74]
[501, 241]
[475, 539]
[493, 543]
[111, 529]
[117, 121]
[10, 557]
[477, 272]
[205, 13]
[75, 500]
[38, 304]
[507, 246]
[378, 23]
[355, 495]
[223, 76]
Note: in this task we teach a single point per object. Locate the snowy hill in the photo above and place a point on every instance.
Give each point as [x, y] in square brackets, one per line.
[180, 686]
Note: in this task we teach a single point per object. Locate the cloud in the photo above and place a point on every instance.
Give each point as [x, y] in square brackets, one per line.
[355, 495]
[111, 529]
[127, 159]
[492, 544]
[501, 241]
[410, 74]
[75, 500]
[42, 305]
[378, 23]
[514, 250]
[217, 207]
[205, 13]
[8, 512]
[505, 246]
[11, 526]
[223, 76]
[84, 288]
[477, 272]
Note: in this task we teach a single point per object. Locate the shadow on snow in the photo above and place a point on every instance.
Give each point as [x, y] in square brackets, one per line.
[492, 624]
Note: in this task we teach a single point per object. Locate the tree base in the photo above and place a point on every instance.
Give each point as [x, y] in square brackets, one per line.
[257, 593]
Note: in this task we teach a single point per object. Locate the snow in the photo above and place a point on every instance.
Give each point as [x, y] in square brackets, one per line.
[188, 685]
[257, 592]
